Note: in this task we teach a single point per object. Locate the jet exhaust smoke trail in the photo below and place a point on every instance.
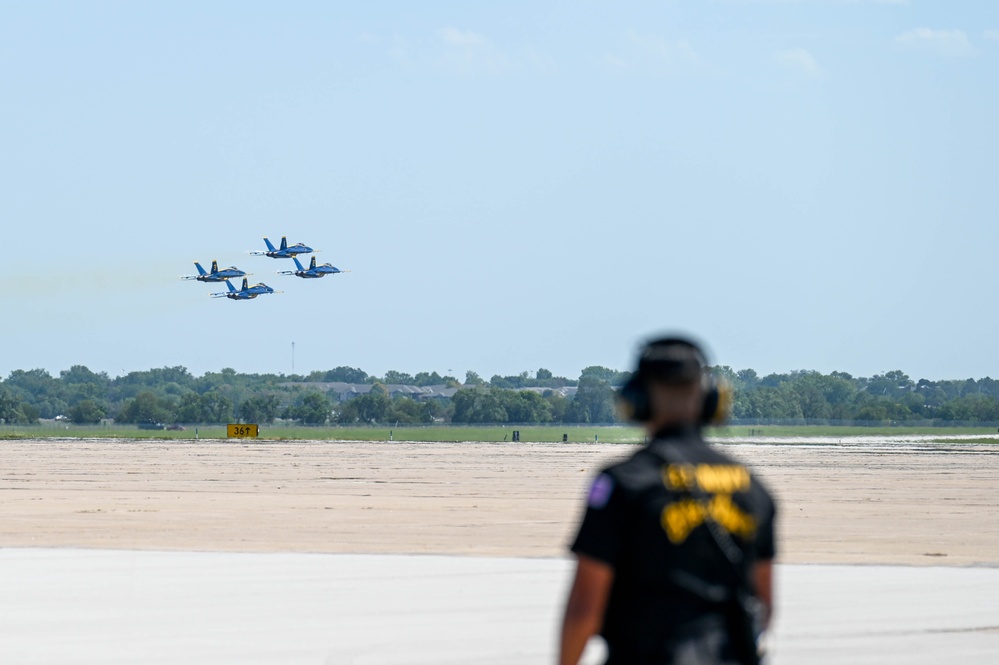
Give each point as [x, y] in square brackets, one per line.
[43, 283]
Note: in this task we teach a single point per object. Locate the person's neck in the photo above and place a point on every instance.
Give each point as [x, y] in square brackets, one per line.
[664, 425]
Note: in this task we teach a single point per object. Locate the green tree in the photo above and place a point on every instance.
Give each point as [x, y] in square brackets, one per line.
[78, 383]
[525, 406]
[726, 373]
[36, 383]
[557, 405]
[428, 379]
[890, 384]
[216, 407]
[609, 376]
[87, 412]
[12, 408]
[806, 389]
[408, 410]
[370, 408]
[747, 379]
[146, 407]
[767, 402]
[212, 407]
[503, 382]
[393, 377]
[189, 409]
[472, 405]
[873, 412]
[593, 403]
[462, 403]
[473, 379]
[974, 408]
[48, 407]
[346, 375]
[82, 374]
[313, 408]
[259, 409]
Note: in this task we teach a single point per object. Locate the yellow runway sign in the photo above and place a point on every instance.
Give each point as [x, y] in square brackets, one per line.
[242, 431]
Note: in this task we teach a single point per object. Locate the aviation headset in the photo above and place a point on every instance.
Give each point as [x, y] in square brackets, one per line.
[673, 360]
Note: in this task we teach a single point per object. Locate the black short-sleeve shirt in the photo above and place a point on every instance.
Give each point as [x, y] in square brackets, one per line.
[647, 517]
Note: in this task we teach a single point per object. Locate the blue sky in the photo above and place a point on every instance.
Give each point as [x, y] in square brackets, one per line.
[802, 185]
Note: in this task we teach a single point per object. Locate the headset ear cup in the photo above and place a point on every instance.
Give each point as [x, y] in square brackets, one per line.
[717, 402]
[633, 401]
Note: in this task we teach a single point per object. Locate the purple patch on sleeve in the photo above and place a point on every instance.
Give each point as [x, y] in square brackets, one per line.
[600, 491]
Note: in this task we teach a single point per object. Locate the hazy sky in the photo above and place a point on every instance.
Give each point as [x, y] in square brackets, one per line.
[515, 185]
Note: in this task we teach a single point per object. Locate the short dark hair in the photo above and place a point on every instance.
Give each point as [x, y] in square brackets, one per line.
[671, 360]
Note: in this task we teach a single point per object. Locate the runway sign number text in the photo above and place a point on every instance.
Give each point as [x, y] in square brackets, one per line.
[242, 431]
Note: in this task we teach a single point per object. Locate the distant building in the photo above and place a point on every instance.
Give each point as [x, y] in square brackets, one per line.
[565, 391]
[342, 392]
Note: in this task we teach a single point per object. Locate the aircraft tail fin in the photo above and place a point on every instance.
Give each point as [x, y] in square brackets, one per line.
[270, 247]
[215, 267]
[201, 271]
[312, 266]
[284, 242]
[232, 289]
[298, 264]
[245, 285]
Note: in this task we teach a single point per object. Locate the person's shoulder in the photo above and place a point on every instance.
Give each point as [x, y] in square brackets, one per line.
[637, 469]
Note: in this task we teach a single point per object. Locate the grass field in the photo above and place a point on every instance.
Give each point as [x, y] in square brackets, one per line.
[491, 433]
[574, 434]
[800, 431]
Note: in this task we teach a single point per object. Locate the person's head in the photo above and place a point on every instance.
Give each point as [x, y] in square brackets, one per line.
[670, 386]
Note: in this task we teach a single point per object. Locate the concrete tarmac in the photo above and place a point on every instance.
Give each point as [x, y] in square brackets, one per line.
[376, 553]
[113, 606]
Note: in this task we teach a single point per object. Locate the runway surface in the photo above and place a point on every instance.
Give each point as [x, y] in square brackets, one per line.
[873, 501]
[102, 606]
[392, 553]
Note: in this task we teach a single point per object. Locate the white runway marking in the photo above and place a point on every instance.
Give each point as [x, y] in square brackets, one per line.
[101, 606]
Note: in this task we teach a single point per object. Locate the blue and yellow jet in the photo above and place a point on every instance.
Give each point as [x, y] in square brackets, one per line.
[245, 293]
[313, 270]
[285, 251]
[215, 275]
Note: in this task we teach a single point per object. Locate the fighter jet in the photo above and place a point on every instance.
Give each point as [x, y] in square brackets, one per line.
[313, 271]
[245, 293]
[215, 275]
[285, 251]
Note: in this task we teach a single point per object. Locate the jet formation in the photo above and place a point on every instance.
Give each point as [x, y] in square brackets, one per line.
[247, 292]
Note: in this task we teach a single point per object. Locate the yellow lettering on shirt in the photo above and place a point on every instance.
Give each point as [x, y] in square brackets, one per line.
[679, 477]
[713, 479]
[682, 516]
[731, 517]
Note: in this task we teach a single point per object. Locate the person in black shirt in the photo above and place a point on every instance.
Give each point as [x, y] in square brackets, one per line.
[675, 550]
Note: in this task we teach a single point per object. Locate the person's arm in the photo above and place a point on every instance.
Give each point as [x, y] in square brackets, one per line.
[764, 586]
[584, 610]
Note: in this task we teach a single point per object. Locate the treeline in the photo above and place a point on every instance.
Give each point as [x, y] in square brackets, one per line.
[543, 378]
[889, 397]
[172, 395]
